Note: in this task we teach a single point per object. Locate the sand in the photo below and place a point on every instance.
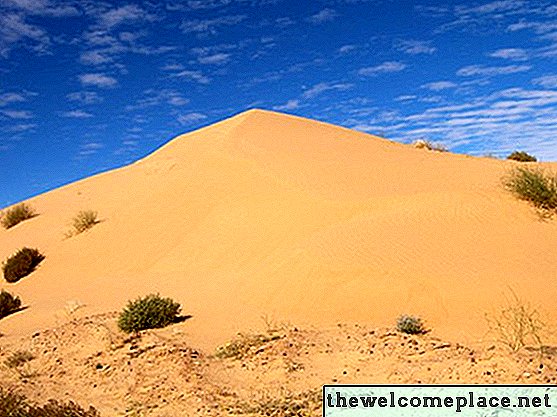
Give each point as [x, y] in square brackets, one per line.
[265, 214]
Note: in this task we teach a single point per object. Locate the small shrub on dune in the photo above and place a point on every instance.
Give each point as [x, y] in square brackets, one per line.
[8, 303]
[21, 264]
[430, 146]
[84, 220]
[150, 312]
[521, 156]
[17, 214]
[533, 185]
[410, 325]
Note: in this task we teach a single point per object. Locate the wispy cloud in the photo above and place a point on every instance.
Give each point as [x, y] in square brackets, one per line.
[414, 47]
[17, 114]
[90, 148]
[323, 16]
[210, 26]
[215, 59]
[289, 105]
[439, 85]
[515, 54]
[127, 14]
[77, 114]
[85, 97]
[158, 97]
[97, 80]
[15, 31]
[320, 88]
[196, 76]
[191, 118]
[42, 8]
[482, 70]
[547, 81]
[385, 67]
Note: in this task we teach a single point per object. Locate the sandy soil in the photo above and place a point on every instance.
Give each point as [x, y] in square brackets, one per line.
[279, 369]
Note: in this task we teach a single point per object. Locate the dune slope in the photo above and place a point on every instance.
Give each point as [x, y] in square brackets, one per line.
[301, 221]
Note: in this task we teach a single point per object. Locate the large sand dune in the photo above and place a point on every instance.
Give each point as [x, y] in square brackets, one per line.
[301, 221]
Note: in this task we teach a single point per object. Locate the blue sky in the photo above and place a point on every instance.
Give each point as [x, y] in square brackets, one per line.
[87, 86]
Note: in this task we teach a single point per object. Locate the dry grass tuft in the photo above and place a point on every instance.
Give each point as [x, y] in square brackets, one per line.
[16, 214]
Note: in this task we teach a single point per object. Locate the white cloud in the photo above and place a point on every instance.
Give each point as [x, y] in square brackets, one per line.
[84, 97]
[196, 76]
[345, 49]
[323, 87]
[90, 148]
[130, 13]
[17, 114]
[97, 80]
[414, 47]
[515, 54]
[7, 98]
[482, 70]
[210, 26]
[323, 16]
[439, 85]
[385, 67]
[215, 59]
[191, 118]
[547, 81]
[289, 105]
[77, 114]
[14, 31]
[42, 8]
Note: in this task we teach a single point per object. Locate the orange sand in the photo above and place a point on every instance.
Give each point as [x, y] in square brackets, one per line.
[300, 221]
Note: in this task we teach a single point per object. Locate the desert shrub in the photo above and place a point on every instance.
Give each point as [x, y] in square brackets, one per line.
[18, 358]
[533, 185]
[280, 404]
[21, 264]
[150, 312]
[243, 344]
[410, 325]
[84, 220]
[16, 405]
[430, 146]
[8, 303]
[17, 214]
[517, 324]
[521, 156]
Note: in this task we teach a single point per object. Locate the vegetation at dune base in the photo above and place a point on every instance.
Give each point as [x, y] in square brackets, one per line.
[16, 214]
[410, 325]
[243, 344]
[521, 156]
[533, 185]
[8, 303]
[16, 405]
[150, 312]
[517, 324]
[84, 220]
[430, 146]
[21, 264]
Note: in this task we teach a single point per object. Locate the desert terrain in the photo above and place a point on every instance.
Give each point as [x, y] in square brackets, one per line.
[310, 240]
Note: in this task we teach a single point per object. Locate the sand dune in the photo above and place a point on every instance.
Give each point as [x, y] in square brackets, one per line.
[268, 214]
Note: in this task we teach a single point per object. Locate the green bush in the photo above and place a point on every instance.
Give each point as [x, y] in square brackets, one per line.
[150, 312]
[84, 220]
[21, 264]
[521, 156]
[410, 325]
[533, 185]
[17, 214]
[8, 303]
[16, 405]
